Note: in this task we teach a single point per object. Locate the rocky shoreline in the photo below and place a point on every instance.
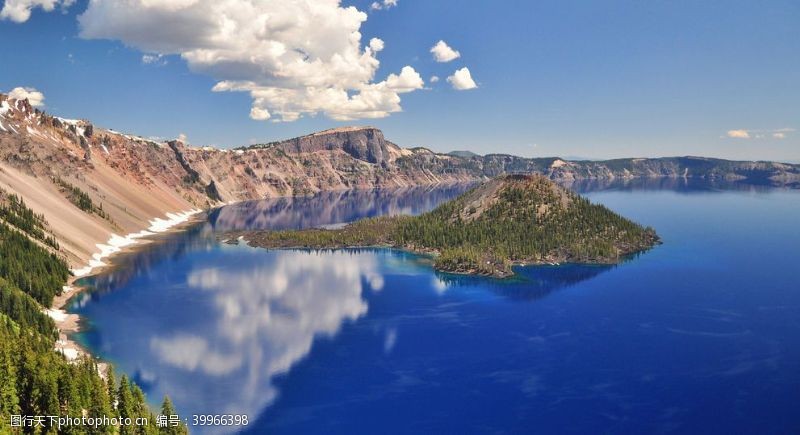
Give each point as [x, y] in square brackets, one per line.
[499, 269]
[69, 323]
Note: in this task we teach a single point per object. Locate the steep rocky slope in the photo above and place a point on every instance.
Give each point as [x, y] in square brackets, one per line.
[90, 182]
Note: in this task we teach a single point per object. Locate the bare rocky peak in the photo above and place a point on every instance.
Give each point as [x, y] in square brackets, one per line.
[346, 129]
[362, 143]
[540, 190]
[19, 114]
[11, 108]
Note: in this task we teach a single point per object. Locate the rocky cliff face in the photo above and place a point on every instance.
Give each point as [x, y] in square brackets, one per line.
[361, 143]
[131, 180]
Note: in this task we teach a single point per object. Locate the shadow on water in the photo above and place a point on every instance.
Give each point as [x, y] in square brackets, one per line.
[530, 282]
[533, 282]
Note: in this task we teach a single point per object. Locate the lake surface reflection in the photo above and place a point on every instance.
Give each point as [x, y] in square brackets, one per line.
[699, 334]
[189, 307]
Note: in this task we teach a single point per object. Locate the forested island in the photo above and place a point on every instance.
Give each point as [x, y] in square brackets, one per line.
[507, 221]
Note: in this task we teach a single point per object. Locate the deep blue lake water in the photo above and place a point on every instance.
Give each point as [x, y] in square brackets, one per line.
[699, 335]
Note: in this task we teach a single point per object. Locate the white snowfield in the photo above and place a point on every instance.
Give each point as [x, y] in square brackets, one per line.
[68, 121]
[116, 243]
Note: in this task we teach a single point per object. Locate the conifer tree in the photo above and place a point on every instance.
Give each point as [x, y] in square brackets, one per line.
[111, 388]
[125, 405]
[9, 402]
[167, 409]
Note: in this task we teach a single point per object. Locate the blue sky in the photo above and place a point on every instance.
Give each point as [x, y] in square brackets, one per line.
[597, 79]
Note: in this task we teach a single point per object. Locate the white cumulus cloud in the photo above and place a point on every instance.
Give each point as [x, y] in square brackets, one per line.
[408, 80]
[259, 114]
[19, 11]
[35, 98]
[443, 52]
[385, 4]
[294, 57]
[779, 133]
[156, 59]
[461, 80]
[376, 44]
[739, 134]
[434, 79]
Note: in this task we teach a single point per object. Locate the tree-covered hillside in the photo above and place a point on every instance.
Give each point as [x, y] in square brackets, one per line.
[35, 380]
[509, 220]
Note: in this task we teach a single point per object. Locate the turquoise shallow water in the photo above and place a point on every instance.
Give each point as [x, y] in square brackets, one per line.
[698, 335]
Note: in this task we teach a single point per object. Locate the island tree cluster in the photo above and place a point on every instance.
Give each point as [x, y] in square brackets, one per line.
[510, 220]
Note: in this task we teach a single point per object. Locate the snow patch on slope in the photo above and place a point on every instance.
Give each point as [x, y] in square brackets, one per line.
[116, 243]
[68, 121]
[67, 349]
[4, 108]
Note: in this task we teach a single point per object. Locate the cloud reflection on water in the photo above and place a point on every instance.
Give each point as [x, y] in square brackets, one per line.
[266, 320]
